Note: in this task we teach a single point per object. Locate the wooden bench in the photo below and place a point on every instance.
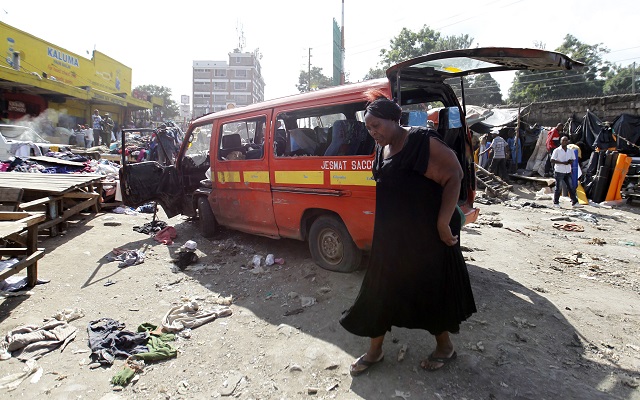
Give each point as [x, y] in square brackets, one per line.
[10, 198]
[59, 196]
[15, 223]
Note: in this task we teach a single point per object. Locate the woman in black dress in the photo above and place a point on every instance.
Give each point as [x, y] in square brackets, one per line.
[417, 277]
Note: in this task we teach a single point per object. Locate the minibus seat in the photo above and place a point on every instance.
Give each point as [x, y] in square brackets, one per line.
[366, 146]
[280, 141]
[324, 139]
[231, 142]
[305, 139]
[347, 136]
[451, 136]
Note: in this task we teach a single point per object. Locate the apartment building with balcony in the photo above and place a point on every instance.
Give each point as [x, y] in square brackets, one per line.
[218, 85]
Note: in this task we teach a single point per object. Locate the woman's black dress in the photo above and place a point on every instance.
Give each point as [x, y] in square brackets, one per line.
[414, 280]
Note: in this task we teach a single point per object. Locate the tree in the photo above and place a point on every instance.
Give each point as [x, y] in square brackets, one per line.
[170, 109]
[318, 80]
[375, 73]
[483, 90]
[409, 44]
[530, 86]
[619, 80]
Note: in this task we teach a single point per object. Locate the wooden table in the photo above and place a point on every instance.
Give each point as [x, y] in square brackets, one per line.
[60, 196]
[117, 158]
[15, 223]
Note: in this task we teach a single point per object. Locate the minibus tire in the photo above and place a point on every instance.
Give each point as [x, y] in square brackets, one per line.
[332, 247]
[208, 223]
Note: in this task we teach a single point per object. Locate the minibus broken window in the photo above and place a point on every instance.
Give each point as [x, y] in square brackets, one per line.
[336, 130]
[242, 140]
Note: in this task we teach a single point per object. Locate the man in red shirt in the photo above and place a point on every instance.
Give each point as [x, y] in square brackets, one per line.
[553, 140]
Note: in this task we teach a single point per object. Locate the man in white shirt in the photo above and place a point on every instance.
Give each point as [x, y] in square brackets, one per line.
[562, 159]
[96, 124]
[498, 164]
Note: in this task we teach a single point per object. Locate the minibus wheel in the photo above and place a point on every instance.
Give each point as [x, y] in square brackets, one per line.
[208, 223]
[331, 245]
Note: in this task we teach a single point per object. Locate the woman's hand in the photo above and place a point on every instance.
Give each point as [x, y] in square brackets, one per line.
[446, 236]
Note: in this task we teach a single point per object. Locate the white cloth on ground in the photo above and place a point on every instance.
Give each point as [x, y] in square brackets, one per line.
[32, 341]
[12, 381]
[191, 316]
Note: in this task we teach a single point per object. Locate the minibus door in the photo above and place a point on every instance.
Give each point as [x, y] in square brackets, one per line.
[241, 198]
[150, 181]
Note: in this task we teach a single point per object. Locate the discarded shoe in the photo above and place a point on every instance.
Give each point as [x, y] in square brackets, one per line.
[442, 360]
[185, 258]
[361, 365]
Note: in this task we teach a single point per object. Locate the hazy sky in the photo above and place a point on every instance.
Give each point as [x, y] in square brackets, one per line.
[160, 40]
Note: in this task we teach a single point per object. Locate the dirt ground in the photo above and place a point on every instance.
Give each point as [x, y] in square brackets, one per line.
[558, 313]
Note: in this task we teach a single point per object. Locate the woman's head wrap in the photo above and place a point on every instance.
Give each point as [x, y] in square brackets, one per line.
[385, 109]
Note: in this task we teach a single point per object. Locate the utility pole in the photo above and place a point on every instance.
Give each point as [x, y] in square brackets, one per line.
[309, 71]
[633, 78]
[342, 47]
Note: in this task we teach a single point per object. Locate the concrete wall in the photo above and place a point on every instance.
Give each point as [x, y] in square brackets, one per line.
[606, 108]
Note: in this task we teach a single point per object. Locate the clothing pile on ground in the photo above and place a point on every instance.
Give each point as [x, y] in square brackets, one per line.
[108, 339]
[136, 146]
[126, 257]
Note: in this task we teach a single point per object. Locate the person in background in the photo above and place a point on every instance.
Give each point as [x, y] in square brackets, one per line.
[117, 132]
[515, 150]
[498, 162]
[88, 137]
[96, 124]
[483, 157]
[553, 141]
[417, 277]
[562, 159]
[107, 129]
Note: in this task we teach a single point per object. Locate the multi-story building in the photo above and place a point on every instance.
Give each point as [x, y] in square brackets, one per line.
[218, 85]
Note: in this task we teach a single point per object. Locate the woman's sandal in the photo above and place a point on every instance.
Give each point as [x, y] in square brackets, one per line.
[442, 360]
[362, 365]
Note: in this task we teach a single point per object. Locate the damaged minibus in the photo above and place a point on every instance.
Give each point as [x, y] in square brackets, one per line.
[300, 166]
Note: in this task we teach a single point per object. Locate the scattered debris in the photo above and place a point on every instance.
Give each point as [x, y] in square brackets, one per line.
[12, 381]
[332, 387]
[629, 381]
[571, 260]
[569, 227]
[404, 395]
[477, 346]
[230, 385]
[517, 231]
[293, 312]
[307, 301]
[68, 314]
[402, 352]
[269, 260]
[285, 329]
[295, 368]
[523, 323]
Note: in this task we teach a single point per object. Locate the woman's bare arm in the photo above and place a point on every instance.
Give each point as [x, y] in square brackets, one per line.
[445, 170]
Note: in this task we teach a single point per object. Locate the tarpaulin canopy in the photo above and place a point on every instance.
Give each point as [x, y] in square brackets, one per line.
[627, 127]
[589, 129]
[498, 117]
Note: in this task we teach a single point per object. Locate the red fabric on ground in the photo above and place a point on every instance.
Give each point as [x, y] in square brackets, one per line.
[166, 235]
